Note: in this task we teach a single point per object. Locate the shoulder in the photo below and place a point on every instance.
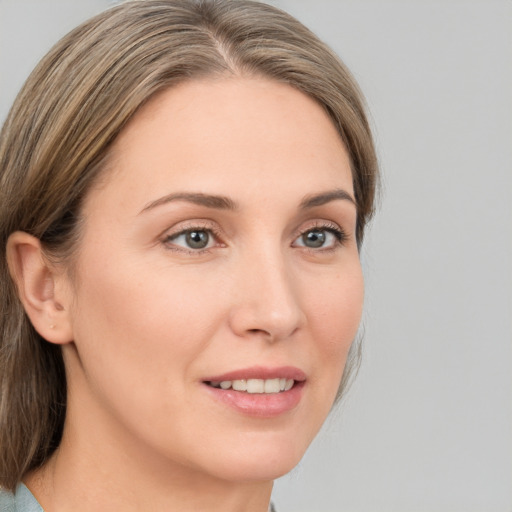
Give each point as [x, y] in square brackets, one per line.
[6, 501]
[21, 500]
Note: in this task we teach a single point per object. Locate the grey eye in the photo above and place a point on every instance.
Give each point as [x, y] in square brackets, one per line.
[197, 239]
[314, 239]
[320, 238]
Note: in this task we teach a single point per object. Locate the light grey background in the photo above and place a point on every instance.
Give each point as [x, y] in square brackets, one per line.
[428, 424]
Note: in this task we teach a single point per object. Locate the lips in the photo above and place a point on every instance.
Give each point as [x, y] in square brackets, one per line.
[259, 391]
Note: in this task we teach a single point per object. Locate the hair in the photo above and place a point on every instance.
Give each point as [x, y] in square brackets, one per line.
[56, 140]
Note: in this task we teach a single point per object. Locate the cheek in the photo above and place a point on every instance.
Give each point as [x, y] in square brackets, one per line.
[337, 308]
[135, 327]
[334, 316]
[143, 321]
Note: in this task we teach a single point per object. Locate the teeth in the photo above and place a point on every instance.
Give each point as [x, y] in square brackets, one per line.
[272, 386]
[239, 385]
[267, 386]
[255, 386]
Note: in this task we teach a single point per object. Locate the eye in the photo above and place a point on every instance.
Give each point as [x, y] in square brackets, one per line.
[194, 239]
[325, 237]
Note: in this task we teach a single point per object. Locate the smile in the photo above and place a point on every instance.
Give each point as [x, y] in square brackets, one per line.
[258, 391]
[267, 386]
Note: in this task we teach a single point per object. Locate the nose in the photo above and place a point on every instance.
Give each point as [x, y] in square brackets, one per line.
[266, 299]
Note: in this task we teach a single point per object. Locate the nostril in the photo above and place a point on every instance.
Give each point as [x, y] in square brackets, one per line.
[260, 331]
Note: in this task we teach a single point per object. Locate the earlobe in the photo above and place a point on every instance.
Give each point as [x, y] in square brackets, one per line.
[37, 283]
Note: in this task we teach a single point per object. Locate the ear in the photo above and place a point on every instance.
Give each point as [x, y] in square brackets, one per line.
[42, 288]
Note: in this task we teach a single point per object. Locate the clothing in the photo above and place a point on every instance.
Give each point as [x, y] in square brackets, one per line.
[23, 501]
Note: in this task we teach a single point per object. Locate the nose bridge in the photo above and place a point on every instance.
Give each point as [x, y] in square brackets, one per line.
[268, 301]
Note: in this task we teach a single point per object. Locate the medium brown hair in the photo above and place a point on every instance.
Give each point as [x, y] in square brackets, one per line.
[57, 137]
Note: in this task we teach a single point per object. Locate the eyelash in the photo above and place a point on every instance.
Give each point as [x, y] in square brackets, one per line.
[339, 234]
[208, 228]
[340, 238]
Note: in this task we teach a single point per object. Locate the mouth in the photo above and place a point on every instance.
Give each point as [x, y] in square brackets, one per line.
[253, 386]
[258, 391]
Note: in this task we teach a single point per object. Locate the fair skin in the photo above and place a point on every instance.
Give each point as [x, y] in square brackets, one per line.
[221, 243]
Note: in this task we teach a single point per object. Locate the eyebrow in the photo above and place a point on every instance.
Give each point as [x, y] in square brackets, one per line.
[207, 200]
[314, 200]
[225, 203]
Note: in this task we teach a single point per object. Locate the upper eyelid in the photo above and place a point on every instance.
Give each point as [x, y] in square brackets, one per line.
[320, 224]
[185, 226]
[339, 233]
[213, 228]
[190, 230]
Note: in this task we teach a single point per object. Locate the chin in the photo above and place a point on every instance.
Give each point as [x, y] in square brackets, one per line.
[260, 459]
[258, 470]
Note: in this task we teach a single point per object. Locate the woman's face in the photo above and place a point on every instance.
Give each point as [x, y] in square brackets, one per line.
[219, 248]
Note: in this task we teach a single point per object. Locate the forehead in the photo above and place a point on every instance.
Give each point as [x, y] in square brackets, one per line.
[228, 135]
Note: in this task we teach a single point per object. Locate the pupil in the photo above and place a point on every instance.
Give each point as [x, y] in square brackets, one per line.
[314, 239]
[197, 239]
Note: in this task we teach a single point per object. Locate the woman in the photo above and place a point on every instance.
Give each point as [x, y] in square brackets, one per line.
[185, 187]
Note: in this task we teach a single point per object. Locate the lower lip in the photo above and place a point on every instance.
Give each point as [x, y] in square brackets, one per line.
[261, 405]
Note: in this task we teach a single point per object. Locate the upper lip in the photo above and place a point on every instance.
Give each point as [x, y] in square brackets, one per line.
[260, 372]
